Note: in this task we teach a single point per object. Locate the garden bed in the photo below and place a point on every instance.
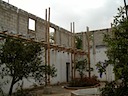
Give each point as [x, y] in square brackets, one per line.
[80, 83]
[76, 88]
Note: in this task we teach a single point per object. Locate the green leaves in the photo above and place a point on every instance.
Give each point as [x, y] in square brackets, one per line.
[117, 52]
[81, 67]
[78, 42]
[20, 56]
[117, 43]
[22, 59]
[51, 70]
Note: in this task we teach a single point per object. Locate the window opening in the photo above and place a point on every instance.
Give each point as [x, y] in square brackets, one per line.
[52, 35]
[32, 24]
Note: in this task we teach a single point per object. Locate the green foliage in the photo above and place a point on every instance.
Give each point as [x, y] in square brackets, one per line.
[22, 59]
[1, 86]
[22, 92]
[78, 42]
[1, 92]
[50, 70]
[117, 52]
[52, 37]
[114, 89]
[84, 82]
[81, 67]
[117, 45]
[101, 66]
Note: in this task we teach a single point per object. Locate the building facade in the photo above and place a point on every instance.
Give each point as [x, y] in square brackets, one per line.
[62, 49]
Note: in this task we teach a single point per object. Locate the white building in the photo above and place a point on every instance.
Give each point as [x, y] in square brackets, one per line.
[16, 22]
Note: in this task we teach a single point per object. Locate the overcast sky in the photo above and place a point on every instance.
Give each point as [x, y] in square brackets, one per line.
[96, 14]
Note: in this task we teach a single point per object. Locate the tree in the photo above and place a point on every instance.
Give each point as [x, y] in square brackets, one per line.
[117, 52]
[52, 40]
[22, 59]
[101, 66]
[81, 67]
[78, 42]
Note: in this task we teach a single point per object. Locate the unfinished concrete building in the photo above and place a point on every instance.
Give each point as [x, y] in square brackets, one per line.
[61, 50]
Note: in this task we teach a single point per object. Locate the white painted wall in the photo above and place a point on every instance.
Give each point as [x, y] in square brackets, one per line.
[100, 55]
[26, 84]
[59, 59]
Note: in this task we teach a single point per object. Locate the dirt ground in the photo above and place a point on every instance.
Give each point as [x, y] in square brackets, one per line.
[57, 90]
[53, 91]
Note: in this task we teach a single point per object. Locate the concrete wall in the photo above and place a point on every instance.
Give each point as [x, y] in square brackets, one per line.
[16, 21]
[101, 56]
[84, 37]
[62, 36]
[99, 35]
[97, 51]
[59, 59]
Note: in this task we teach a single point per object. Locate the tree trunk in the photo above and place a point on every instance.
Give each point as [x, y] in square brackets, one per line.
[11, 87]
[81, 76]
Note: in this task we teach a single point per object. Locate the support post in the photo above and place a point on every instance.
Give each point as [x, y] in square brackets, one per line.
[48, 42]
[71, 53]
[89, 73]
[126, 8]
[46, 46]
[74, 53]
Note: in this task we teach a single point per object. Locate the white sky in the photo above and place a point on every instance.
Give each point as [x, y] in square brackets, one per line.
[96, 14]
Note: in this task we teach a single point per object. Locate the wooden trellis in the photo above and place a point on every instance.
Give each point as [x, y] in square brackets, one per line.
[48, 46]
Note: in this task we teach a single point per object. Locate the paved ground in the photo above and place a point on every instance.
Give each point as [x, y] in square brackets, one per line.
[57, 91]
[62, 94]
[54, 91]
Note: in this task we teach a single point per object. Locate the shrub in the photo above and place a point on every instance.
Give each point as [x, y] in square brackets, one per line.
[78, 82]
[114, 89]
[24, 93]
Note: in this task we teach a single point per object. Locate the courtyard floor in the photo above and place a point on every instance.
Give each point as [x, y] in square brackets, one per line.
[58, 90]
[55, 91]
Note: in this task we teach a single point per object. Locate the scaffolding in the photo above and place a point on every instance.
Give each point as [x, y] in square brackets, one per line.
[48, 46]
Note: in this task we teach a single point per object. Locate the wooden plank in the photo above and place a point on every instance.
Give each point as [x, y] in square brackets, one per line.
[48, 42]
[74, 51]
[89, 73]
[71, 53]
[45, 45]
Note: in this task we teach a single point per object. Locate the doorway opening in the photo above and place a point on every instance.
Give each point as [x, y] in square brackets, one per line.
[67, 71]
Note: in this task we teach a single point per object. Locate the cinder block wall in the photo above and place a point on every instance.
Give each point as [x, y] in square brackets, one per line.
[99, 36]
[8, 17]
[98, 54]
[16, 21]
